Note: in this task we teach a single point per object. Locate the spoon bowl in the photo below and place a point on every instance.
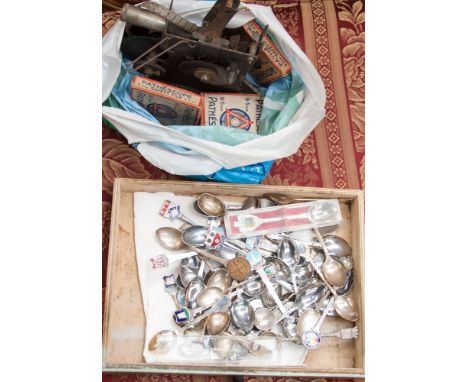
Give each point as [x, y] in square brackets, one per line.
[276, 267]
[289, 327]
[348, 262]
[194, 288]
[162, 341]
[267, 298]
[211, 205]
[219, 278]
[348, 285]
[194, 236]
[208, 296]
[191, 262]
[303, 271]
[346, 308]
[217, 323]
[336, 246]
[243, 315]
[170, 238]
[334, 272]
[288, 252]
[226, 253]
[264, 319]
[324, 211]
[187, 274]
[250, 203]
[253, 287]
[309, 295]
[331, 311]
[307, 321]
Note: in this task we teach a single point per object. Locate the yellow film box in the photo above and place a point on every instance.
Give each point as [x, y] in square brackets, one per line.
[170, 105]
[240, 111]
[271, 63]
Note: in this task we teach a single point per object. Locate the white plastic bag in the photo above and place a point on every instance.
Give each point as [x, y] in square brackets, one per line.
[205, 157]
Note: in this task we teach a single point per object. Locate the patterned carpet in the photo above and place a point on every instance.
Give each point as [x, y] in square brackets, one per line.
[331, 32]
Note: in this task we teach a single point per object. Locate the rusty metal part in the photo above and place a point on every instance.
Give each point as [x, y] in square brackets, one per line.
[169, 15]
[142, 18]
[217, 18]
[210, 57]
[206, 72]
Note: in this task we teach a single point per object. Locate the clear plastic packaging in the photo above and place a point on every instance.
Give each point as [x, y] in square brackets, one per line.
[170, 348]
[288, 218]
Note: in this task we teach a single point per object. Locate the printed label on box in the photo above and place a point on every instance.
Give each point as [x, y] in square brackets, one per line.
[271, 63]
[168, 104]
[240, 111]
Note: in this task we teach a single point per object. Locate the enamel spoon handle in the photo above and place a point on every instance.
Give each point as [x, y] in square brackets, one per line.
[311, 339]
[324, 314]
[319, 272]
[322, 243]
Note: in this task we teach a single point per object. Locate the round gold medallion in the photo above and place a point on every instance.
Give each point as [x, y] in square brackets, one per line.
[238, 268]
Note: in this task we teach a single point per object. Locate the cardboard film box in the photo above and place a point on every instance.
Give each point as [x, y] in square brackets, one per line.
[271, 63]
[170, 105]
[241, 111]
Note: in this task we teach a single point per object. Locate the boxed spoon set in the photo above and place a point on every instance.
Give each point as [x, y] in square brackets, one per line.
[188, 293]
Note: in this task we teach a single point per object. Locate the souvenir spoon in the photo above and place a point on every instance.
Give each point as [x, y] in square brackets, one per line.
[171, 238]
[171, 210]
[334, 271]
[303, 271]
[288, 252]
[250, 203]
[163, 261]
[211, 205]
[249, 223]
[191, 262]
[276, 267]
[344, 305]
[307, 321]
[332, 311]
[348, 262]
[285, 199]
[243, 315]
[324, 211]
[194, 288]
[267, 298]
[220, 305]
[336, 246]
[264, 319]
[309, 295]
[194, 236]
[290, 329]
[226, 253]
[171, 288]
[217, 322]
[162, 341]
[254, 346]
[348, 286]
[311, 338]
[219, 278]
[187, 274]
[253, 287]
[208, 296]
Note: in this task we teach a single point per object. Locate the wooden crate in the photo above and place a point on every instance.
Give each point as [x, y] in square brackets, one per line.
[124, 320]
